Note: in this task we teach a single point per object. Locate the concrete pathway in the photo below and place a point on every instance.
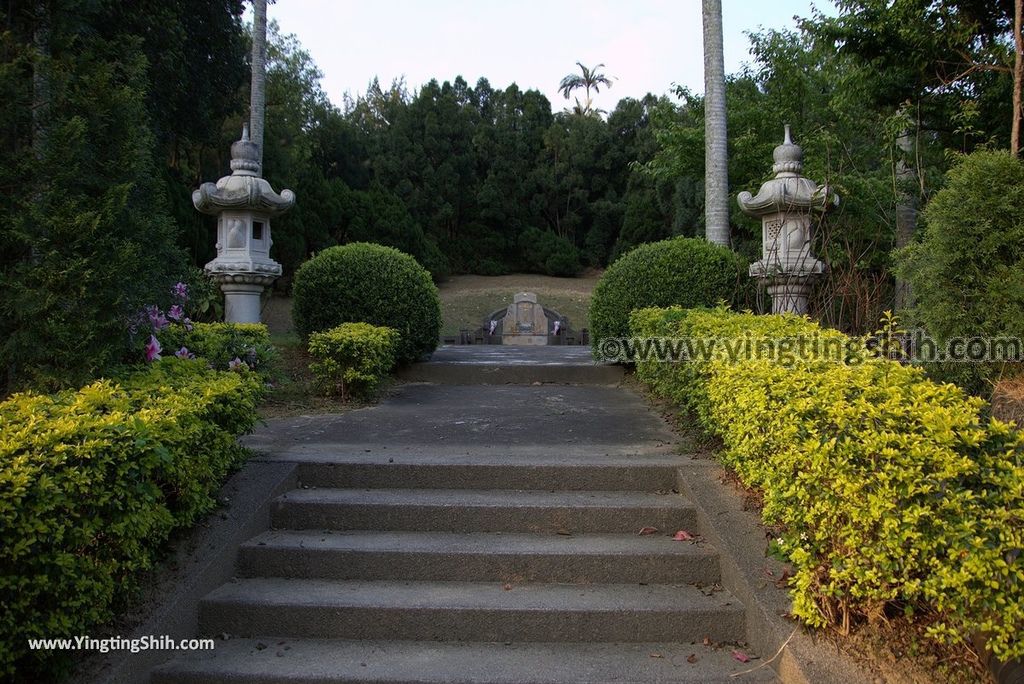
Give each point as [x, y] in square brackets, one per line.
[477, 533]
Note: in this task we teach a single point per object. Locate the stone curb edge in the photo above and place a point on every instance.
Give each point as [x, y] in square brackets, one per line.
[205, 558]
[741, 541]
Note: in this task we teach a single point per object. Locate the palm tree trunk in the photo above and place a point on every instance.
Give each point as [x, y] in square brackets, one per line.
[1018, 76]
[716, 159]
[257, 94]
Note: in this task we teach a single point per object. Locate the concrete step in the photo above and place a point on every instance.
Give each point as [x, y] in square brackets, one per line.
[470, 611]
[479, 557]
[442, 373]
[477, 510]
[328, 468]
[512, 365]
[272, 661]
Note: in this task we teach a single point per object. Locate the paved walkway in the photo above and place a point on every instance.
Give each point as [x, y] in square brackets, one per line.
[512, 364]
[477, 533]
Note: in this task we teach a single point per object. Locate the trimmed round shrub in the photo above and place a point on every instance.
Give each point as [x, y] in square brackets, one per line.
[685, 272]
[367, 283]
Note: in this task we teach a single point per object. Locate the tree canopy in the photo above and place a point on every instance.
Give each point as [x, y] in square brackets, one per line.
[112, 114]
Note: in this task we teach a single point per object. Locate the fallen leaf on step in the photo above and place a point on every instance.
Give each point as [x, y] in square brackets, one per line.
[507, 587]
[741, 656]
[692, 658]
[784, 579]
[644, 531]
[657, 655]
[683, 535]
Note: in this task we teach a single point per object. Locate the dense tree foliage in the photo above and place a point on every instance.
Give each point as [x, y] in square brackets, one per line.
[880, 98]
[479, 169]
[112, 114]
[87, 231]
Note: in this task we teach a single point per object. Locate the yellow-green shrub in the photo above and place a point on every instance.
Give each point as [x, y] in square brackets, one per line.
[93, 481]
[353, 359]
[221, 343]
[893, 491]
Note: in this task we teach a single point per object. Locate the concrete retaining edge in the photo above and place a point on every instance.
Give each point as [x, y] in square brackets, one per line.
[205, 559]
[741, 541]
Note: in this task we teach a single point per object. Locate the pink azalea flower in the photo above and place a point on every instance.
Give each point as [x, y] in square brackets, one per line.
[181, 291]
[236, 363]
[153, 349]
[184, 353]
[175, 313]
[156, 318]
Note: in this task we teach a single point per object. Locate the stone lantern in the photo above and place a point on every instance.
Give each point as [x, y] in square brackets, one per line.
[785, 205]
[243, 204]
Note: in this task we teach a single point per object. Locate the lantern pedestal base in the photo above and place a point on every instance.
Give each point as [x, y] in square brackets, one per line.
[790, 295]
[242, 292]
[242, 302]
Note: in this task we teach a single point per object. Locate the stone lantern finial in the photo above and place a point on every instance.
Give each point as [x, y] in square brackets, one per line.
[789, 158]
[245, 155]
[785, 204]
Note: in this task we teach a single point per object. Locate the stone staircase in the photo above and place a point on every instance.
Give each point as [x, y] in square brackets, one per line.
[453, 564]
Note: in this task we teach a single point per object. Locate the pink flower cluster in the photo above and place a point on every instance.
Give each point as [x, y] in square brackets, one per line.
[159, 320]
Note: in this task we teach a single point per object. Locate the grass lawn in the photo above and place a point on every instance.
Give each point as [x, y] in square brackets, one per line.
[467, 300]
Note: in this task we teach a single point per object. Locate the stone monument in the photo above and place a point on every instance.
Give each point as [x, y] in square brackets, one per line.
[785, 205]
[243, 204]
[525, 321]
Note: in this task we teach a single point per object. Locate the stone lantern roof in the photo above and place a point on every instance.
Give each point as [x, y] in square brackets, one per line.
[244, 188]
[789, 190]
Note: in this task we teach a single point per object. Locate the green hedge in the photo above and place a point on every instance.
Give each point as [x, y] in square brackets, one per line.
[894, 492]
[222, 343]
[682, 271]
[367, 283]
[93, 481]
[353, 358]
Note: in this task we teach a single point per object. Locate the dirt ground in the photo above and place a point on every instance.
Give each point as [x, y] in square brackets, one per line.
[1008, 400]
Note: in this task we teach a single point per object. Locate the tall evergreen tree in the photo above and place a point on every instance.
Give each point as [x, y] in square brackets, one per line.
[87, 237]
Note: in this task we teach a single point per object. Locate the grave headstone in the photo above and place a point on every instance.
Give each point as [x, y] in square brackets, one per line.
[525, 321]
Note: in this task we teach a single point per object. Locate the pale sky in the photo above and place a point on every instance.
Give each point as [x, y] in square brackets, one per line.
[645, 45]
